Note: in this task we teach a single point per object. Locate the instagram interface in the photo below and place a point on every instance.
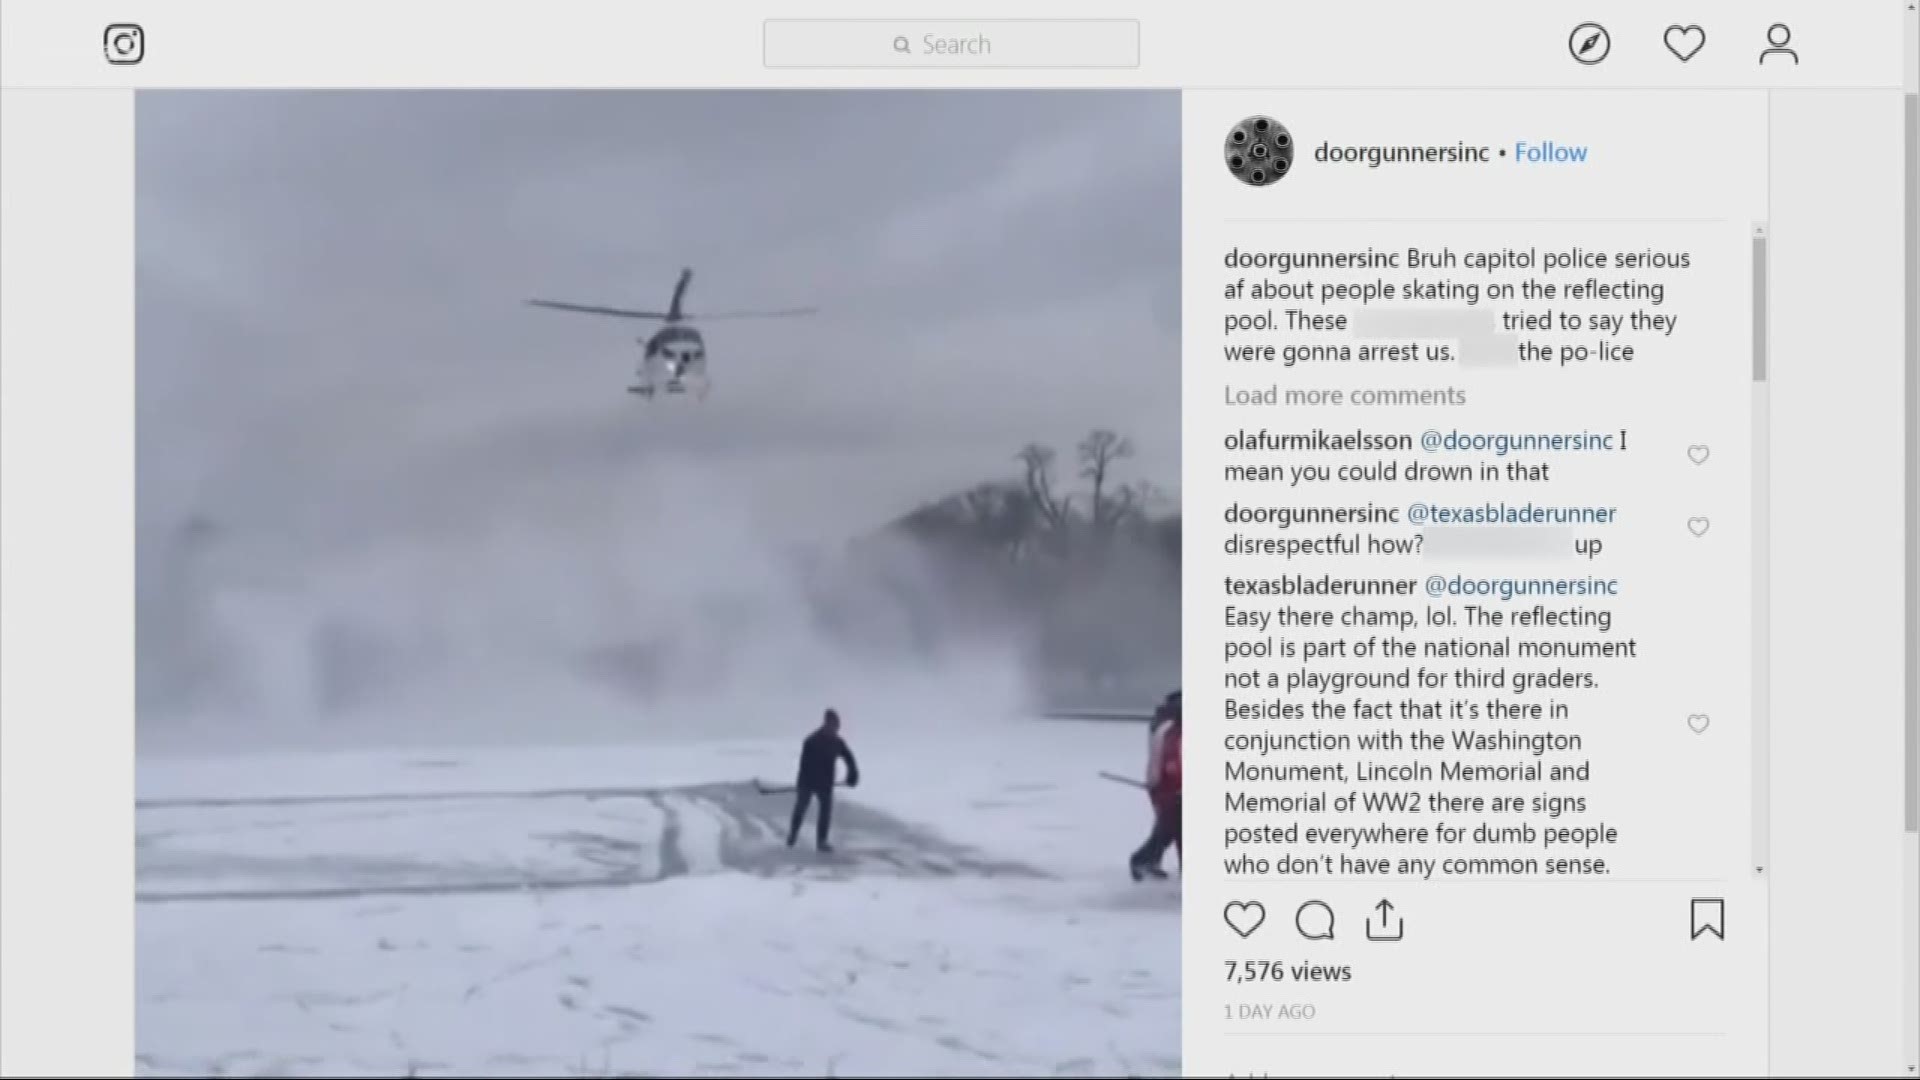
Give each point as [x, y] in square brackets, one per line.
[586, 540]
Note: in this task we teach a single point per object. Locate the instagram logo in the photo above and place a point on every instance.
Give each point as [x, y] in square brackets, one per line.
[126, 43]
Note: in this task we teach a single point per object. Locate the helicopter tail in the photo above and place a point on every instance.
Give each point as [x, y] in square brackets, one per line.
[674, 311]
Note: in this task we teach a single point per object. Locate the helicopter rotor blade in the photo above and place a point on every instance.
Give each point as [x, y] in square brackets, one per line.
[592, 309]
[788, 314]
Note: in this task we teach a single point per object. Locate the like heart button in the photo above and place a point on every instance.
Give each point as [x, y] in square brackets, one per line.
[1685, 42]
[1245, 916]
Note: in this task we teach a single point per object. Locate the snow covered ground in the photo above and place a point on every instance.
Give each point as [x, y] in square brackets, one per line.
[634, 911]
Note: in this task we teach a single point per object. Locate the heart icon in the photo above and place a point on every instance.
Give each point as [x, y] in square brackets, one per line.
[1697, 526]
[1685, 41]
[1698, 722]
[1698, 452]
[1245, 916]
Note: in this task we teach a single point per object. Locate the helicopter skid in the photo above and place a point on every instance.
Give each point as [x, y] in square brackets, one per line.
[697, 388]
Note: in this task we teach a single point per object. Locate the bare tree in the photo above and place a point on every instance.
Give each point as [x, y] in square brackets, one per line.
[1052, 509]
[1002, 515]
[1099, 452]
[1151, 498]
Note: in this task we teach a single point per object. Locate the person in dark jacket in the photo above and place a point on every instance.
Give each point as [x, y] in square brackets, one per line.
[819, 755]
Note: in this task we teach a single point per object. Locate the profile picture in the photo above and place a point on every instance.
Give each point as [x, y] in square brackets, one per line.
[1259, 150]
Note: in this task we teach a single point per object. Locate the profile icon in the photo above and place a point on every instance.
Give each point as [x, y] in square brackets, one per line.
[1777, 37]
[1259, 150]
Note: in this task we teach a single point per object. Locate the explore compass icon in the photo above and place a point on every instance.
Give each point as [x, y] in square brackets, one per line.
[1589, 43]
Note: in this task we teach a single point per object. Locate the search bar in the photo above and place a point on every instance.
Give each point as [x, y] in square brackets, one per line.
[955, 43]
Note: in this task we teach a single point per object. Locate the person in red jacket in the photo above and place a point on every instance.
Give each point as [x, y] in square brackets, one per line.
[1163, 790]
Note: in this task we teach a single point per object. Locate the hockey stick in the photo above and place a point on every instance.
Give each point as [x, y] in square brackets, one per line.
[1118, 779]
[765, 788]
[1096, 714]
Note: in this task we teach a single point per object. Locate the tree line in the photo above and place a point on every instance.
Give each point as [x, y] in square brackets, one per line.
[1076, 555]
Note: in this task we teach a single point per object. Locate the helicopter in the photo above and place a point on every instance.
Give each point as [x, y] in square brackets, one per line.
[675, 357]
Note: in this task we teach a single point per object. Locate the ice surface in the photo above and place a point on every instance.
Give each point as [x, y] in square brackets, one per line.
[635, 911]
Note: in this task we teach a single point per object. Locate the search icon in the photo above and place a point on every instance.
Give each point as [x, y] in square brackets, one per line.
[900, 44]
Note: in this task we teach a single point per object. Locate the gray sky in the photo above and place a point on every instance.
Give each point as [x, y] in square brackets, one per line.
[332, 346]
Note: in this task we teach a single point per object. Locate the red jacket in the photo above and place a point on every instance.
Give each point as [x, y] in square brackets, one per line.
[1163, 760]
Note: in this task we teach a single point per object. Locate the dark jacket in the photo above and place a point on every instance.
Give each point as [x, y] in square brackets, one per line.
[817, 757]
